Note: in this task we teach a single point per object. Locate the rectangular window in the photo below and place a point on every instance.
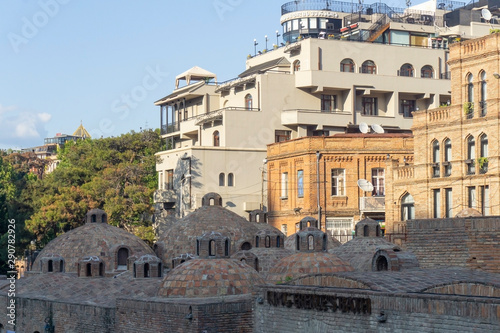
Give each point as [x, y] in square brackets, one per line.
[370, 106]
[284, 229]
[471, 197]
[295, 25]
[300, 183]
[338, 182]
[436, 203]
[378, 181]
[407, 107]
[284, 185]
[340, 228]
[328, 103]
[281, 136]
[322, 23]
[449, 202]
[304, 24]
[485, 200]
[313, 23]
[169, 180]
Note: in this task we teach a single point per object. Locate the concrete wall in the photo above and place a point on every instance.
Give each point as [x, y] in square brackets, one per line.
[404, 313]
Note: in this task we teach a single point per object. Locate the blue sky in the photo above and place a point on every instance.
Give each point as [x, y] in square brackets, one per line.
[105, 62]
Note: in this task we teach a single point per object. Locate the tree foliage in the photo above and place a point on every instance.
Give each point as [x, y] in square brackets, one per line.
[114, 174]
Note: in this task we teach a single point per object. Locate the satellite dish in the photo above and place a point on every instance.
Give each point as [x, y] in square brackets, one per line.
[377, 128]
[365, 185]
[486, 14]
[363, 128]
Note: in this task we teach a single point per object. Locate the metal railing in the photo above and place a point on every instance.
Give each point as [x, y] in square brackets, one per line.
[317, 111]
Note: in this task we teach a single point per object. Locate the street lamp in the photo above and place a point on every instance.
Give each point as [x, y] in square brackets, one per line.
[266, 40]
[277, 37]
[255, 46]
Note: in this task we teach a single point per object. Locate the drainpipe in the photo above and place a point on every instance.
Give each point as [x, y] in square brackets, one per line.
[318, 156]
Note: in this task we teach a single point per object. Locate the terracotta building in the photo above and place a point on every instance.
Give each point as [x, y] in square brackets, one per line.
[294, 184]
[457, 159]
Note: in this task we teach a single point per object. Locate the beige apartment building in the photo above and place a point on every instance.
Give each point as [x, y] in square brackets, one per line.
[456, 159]
[322, 81]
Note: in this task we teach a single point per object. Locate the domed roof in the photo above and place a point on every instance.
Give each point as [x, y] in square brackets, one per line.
[92, 240]
[307, 263]
[332, 242]
[210, 278]
[182, 235]
[267, 257]
[361, 250]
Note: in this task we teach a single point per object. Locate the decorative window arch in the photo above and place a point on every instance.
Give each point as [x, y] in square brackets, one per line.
[268, 241]
[211, 248]
[230, 179]
[226, 247]
[222, 179]
[122, 256]
[427, 72]
[366, 231]
[310, 242]
[470, 88]
[484, 96]
[248, 102]
[471, 154]
[483, 153]
[216, 137]
[347, 65]
[406, 70]
[256, 241]
[50, 267]
[447, 157]
[296, 65]
[407, 207]
[435, 158]
[369, 67]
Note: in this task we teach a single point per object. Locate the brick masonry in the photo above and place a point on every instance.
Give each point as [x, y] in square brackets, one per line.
[462, 242]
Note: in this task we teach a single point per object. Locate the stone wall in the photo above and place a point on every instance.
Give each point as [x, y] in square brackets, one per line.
[231, 314]
[68, 318]
[463, 242]
[402, 312]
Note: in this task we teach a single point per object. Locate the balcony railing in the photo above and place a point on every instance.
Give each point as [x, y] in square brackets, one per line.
[372, 204]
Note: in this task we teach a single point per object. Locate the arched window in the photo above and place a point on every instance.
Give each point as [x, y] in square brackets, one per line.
[248, 102]
[216, 139]
[88, 270]
[268, 241]
[369, 67]
[297, 242]
[51, 266]
[93, 218]
[469, 109]
[146, 270]
[278, 240]
[296, 65]
[226, 248]
[222, 179]
[483, 152]
[310, 242]
[230, 179]
[211, 248]
[482, 103]
[256, 241]
[406, 70]
[347, 65]
[197, 247]
[447, 157]
[366, 232]
[61, 266]
[122, 256]
[382, 264]
[104, 218]
[101, 269]
[471, 155]
[325, 240]
[435, 159]
[427, 72]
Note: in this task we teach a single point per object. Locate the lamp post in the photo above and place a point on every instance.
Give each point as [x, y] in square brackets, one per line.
[255, 46]
[266, 40]
[277, 37]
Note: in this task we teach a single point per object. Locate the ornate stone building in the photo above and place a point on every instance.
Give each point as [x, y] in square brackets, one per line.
[456, 160]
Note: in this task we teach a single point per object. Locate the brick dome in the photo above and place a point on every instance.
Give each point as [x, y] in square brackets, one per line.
[360, 252]
[94, 239]
[262, 259]
[210, 278]
[182, 235]
[306, 263]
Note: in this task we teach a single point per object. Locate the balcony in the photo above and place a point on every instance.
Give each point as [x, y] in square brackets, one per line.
[314, 117]
[165, 196]
[372, 204]
[169, 128]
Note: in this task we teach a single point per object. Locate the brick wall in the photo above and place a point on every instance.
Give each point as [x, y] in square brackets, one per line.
[464, 242]
[404, 313]
[67, 318]
[233, 314]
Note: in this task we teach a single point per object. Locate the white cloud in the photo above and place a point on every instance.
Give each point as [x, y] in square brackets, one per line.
[20, 128]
